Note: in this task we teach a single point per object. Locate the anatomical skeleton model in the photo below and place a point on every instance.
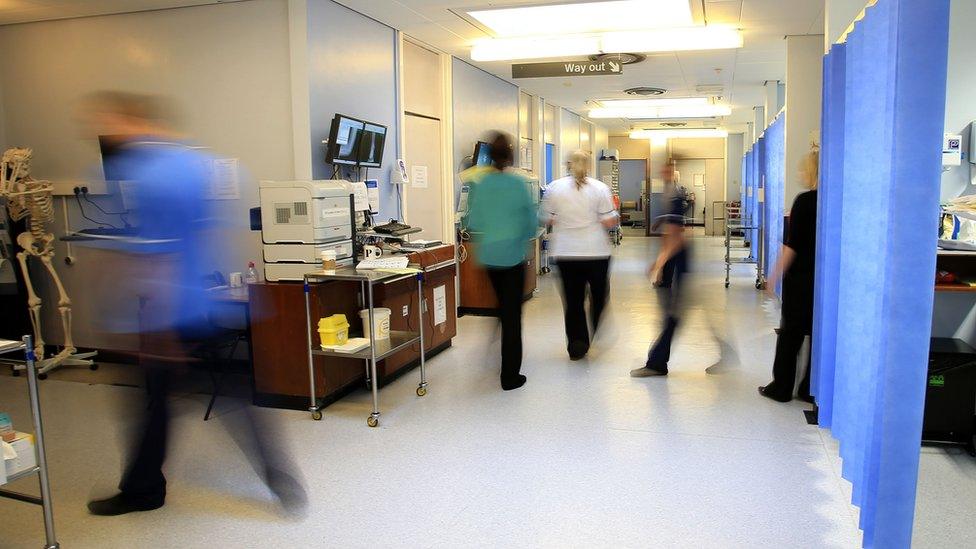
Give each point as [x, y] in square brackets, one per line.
[33, 200]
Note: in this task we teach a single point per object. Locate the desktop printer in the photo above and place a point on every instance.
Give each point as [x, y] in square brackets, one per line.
[300, 220]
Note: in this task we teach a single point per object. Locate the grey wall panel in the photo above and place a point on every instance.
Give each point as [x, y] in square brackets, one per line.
[352, 71]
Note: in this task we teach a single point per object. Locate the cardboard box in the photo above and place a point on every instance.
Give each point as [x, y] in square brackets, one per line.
[26, 457]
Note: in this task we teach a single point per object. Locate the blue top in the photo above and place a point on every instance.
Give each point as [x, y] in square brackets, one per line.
[502, 217]
[172, 219]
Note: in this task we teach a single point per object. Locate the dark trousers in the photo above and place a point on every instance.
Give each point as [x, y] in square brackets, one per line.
[576, 276]
[163, 354]
[796, 324]
[509, 285]
[674, 273]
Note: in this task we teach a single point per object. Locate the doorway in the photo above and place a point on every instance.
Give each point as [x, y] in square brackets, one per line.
[633, 190]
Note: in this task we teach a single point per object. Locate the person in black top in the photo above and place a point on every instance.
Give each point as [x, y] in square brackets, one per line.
[796, 266]
[669, 274]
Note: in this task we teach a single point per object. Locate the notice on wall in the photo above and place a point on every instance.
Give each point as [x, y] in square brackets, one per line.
[657, 186]
[699, 180]
[418, 174]
[224, 182]
[360, 196]
[440, 305]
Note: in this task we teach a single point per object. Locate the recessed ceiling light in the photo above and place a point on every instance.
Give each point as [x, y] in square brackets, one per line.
[661, 40]
[648, 103]
[663, 111]
[586, 17]
[671, 134]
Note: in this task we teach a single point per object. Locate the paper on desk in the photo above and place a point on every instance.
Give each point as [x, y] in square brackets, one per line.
[440, 305]
[403, 271]
[8, 450]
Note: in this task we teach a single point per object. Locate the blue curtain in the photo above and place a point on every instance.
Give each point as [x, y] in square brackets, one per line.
[755, 213]
[774, 181]
[881, 170]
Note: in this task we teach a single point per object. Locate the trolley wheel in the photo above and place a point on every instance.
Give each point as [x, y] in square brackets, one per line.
[759, 285]
[14, 372]
[41, 376]
[317, 415]
[93, 367]
[421, 391]
[726, 285]
[372, 421]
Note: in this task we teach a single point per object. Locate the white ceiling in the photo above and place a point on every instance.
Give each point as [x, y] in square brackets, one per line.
[25, 11]
[741, 72]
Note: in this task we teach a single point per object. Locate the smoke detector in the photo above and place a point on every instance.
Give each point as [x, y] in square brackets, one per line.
[622, 58]
[645, 90]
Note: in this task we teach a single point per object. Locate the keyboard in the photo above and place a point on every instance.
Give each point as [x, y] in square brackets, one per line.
[393, 227]
[384, 263]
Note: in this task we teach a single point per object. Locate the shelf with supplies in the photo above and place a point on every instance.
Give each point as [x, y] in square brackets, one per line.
[36, 463]
[397, 341]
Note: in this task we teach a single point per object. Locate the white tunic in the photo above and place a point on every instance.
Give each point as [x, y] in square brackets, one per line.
[577, 215]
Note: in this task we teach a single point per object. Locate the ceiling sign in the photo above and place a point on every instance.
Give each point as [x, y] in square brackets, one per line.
[567, 68]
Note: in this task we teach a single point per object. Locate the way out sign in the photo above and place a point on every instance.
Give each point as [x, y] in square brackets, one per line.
[567, 68]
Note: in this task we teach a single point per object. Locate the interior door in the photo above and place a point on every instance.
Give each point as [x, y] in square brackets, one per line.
[422, 151]
[633, 174]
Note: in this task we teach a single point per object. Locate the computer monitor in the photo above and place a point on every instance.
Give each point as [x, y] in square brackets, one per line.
[482, 154]
[344, 139]
[109, 146]
[371, 145]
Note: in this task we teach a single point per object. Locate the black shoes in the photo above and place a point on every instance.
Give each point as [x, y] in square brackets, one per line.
[509, 385]
[121, 504]
[768, 393]
[577, 350]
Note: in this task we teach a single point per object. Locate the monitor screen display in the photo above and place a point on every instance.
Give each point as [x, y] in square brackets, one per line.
[371, 145]
[110, 147]
[344, 139]
[482, 154]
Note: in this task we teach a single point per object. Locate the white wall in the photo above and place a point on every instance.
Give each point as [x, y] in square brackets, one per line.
[804, 99]
[733, 172]
[226, 65]
[569, 139]
[838, 16]
[961, 82]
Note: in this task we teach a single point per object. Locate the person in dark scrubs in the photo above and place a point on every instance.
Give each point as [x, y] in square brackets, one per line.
[669, 273]
[796, 267]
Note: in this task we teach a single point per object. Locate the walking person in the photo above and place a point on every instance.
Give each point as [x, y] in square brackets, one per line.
[669, 272]
[171, 252]
[502, 218]
[580, 210]
[796, 268]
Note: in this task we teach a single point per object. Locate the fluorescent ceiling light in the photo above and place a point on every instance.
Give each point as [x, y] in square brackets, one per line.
[670, 134]
[689, 39]
[534, 48]
[675, 111]
[586, 17]
[645, 103]
[664, 40]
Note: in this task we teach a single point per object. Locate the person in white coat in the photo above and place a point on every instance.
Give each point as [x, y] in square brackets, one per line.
[580, 210]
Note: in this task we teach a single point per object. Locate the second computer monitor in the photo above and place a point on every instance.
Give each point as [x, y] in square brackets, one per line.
[371, 145]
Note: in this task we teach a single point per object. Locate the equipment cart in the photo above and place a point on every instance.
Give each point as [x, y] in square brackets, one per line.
[736, 232]
[41, 466]
[377, 350]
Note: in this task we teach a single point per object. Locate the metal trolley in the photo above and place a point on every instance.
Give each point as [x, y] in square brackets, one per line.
[742, 227]
[377, 350]
[41, 467]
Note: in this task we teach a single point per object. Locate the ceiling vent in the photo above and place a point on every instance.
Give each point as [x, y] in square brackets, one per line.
[622, 58]
[645, 90]
[674, 124]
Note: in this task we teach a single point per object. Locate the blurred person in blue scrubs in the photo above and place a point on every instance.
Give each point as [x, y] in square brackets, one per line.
[173, 249]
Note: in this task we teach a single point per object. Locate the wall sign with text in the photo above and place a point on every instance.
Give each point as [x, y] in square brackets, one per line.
[567, 68]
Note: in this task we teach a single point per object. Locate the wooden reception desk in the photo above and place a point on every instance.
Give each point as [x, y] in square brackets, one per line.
[477, 295]
[278, 331]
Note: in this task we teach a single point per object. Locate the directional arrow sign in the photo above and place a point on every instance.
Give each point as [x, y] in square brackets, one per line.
[567, 68]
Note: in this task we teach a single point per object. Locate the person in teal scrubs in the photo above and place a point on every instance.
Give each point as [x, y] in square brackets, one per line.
[502, 218]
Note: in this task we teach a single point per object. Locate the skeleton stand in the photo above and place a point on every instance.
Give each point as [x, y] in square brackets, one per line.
[33, 200]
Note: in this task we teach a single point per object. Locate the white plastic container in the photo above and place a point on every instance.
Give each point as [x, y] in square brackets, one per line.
[381, 322]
